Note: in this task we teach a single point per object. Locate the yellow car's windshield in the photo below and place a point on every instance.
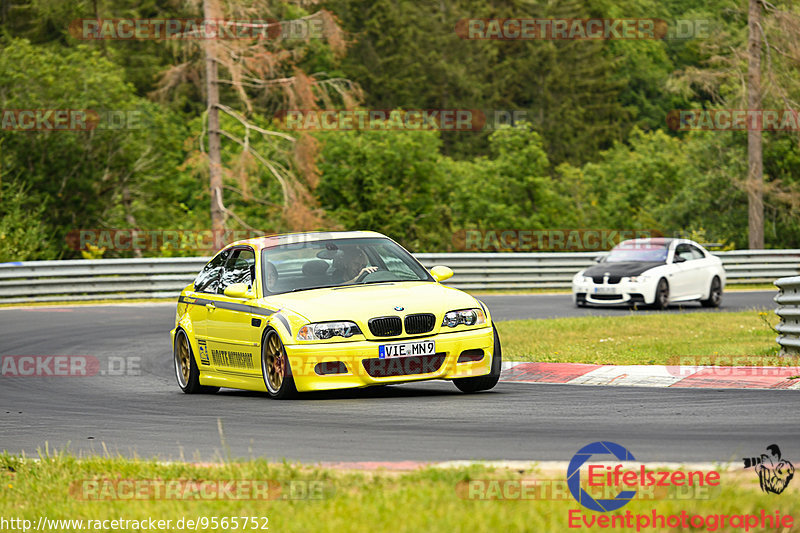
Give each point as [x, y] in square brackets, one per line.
[337, 262]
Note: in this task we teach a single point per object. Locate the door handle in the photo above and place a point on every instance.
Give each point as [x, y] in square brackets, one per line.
[211, 306]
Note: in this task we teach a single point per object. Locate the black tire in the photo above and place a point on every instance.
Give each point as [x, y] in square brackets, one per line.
[275, 368]
[714, 294]
[186, 371]
[662, 295]
[470, 385]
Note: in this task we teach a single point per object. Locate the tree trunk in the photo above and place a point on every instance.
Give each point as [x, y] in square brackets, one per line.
[755, 170]
[214, 153]
[127, 204]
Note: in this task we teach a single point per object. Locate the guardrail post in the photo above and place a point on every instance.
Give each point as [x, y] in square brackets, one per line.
[788, 300]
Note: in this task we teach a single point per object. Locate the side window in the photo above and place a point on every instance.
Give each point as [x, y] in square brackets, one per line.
[208, 278]
[395, 264]
[238, 269]
[685, 251]
[696, 252]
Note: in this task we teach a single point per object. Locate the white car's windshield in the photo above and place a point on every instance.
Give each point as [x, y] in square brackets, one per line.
[337, 262]
[643, 253]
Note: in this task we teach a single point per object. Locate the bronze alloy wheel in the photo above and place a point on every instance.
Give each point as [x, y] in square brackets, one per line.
[186, 370]
[183, 360]
[275, 367]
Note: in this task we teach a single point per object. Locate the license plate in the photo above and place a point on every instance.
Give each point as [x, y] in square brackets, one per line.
[605, 290]
[406, 349]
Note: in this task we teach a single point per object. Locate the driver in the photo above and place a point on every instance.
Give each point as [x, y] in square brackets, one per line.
[350, 264]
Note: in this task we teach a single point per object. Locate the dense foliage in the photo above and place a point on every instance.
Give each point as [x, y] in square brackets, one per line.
[593, 150]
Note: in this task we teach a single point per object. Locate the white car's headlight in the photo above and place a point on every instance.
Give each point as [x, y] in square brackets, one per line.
[326, 330]
[467, 317]
[638, 279]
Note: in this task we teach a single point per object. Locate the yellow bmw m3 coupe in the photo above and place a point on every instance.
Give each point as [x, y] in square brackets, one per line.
[321, 311]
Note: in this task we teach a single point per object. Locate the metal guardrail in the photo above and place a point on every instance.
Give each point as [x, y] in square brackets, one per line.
[98, 279]
[788, 300]
[555, 270]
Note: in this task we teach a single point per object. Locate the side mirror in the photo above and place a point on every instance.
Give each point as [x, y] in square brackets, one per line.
[238, 290]
[441, 273]
[678, 259]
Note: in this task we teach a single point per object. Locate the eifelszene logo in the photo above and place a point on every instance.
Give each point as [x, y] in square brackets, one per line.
[596, 491]
[774, 472]
[574, 476]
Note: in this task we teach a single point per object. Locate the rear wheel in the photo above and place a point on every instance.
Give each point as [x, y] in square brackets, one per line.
[488, 381]
[662, 295]
[714, 294]
[275, 368]
[186, 371]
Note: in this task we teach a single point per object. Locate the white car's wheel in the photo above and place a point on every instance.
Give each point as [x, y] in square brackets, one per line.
[662, 295]
[714, 294]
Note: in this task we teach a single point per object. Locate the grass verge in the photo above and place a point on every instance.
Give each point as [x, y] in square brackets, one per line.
[646, 339]
[431, 499]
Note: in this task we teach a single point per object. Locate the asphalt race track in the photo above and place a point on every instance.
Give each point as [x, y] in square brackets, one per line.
[147, 415]
[521, 306]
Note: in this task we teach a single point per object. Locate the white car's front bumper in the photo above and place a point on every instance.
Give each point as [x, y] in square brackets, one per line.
[626, 292]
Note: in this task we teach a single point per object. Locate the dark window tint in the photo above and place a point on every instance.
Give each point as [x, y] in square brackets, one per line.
[208, 279]
[239, 268]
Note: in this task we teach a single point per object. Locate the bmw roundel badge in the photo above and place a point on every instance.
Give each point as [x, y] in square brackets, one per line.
[398, 308]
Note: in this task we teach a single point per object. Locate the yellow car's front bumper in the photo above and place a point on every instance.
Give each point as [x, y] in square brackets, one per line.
[363, 368]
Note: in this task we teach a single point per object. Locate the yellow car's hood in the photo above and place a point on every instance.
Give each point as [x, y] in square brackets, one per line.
[361, 302]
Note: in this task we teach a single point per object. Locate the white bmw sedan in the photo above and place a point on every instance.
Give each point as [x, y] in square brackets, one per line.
[654, 272]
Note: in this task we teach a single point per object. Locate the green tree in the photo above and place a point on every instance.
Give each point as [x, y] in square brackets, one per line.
[389, 181]
[79, 177]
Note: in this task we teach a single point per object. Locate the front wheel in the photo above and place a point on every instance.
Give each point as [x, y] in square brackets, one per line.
[714, 294]
[662, 295]
[186, 371]
[488, 381]
[275, 368]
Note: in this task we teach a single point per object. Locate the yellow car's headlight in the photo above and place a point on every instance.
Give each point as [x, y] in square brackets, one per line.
[326, 330]
[467, 317]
